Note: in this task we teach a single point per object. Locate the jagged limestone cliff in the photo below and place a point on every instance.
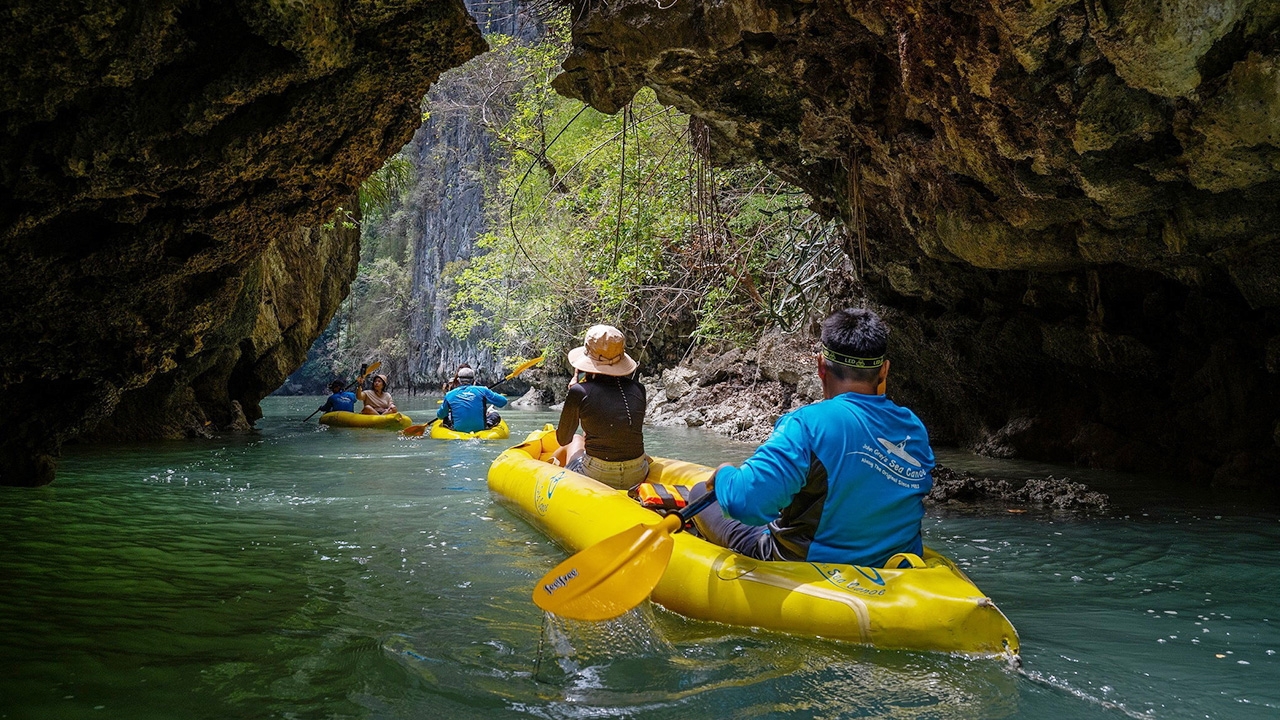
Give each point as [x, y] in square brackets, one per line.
[454, 155]
[156, 165]
[1069, 208]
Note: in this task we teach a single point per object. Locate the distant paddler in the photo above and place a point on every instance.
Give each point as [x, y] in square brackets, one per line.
[377, 401]
[341, 400]
[464, 368]
[466, 407]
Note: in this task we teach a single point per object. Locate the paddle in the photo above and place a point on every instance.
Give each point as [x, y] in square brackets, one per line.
[519, 369]
[616, 574]
[364, 371]
[418, 430]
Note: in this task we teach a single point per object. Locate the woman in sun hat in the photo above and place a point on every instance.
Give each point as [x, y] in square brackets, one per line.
[610, 406]
[377, 401]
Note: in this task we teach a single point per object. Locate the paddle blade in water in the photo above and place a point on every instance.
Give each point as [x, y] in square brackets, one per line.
[609, 578]
[414, 430]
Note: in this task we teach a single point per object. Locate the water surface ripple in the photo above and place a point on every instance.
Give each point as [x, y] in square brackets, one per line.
[305, 572]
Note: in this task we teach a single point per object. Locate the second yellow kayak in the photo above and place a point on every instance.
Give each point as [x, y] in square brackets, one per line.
[498, 432]
[338, 418]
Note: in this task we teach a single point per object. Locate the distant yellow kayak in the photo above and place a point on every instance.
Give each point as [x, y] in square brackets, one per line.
[501, 431]
[339, 418]
[929, 606]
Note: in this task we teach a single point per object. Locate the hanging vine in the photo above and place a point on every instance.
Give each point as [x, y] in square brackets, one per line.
[635, 226]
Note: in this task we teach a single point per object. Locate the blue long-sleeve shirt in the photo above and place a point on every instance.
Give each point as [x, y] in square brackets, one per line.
[842, 480]
[467, 404]
[343, 401]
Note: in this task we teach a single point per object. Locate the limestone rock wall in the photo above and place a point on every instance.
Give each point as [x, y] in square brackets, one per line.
[288, 298]
[454, 156]
[1067, 209]
[738, 393]
[151, 156]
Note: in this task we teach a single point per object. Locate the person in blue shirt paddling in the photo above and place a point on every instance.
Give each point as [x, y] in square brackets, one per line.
[839, 481]
[465, 408]
[340, 400]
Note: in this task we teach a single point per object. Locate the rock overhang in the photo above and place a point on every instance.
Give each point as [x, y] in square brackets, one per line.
[1099, 178]
[158, 168]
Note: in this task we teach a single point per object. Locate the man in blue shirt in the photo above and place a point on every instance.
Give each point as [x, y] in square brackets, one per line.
[340, 400]
[464, 407]
[839, 481]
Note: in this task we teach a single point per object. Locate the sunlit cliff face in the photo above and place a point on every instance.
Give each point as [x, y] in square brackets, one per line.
[159, 167]
[1070, 207]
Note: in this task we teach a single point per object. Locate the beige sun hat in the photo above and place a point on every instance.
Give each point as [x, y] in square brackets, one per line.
[604, 352]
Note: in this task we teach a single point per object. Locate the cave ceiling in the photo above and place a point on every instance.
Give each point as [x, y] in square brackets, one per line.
[1070, 207]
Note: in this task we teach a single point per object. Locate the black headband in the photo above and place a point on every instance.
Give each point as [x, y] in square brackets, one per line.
[851, 361]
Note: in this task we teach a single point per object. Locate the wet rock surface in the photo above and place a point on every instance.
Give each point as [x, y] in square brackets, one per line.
[157, 163]
[954, 487]
[1069, 206]
[741, 394]
[737, 393]
[289, 296]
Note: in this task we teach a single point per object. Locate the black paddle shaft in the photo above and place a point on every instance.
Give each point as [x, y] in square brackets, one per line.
[689, 511]
[359, 377]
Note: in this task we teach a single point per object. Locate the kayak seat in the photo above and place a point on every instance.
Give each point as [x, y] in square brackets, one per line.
[663, 499]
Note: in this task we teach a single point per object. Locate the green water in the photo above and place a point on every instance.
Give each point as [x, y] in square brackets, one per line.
[314, 573]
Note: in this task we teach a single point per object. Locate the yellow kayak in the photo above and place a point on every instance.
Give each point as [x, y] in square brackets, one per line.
[501, 431]
[394, 421]
[929, 606]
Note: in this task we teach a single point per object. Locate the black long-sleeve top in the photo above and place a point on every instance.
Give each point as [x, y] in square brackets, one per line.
[611, 411]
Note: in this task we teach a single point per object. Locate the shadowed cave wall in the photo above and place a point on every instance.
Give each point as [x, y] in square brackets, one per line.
[164, 169]
[1068, 209]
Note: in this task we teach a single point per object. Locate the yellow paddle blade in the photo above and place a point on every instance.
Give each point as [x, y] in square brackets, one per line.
[609, 578]
[370, 370]
[524, 366]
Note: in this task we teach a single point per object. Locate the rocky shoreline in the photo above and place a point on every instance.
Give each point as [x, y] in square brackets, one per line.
[740, 394]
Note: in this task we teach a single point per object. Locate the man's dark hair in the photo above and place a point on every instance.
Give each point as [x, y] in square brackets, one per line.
[857, 335]
[337, 386]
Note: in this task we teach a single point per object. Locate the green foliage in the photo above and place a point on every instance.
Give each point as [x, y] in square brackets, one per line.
[385, 186]
[592, 218]
[618, 219]
[372, 323]
[341, 217]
